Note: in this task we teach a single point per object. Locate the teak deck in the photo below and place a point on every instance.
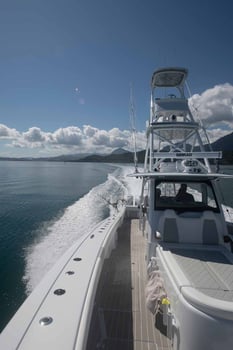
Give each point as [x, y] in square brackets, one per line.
[120, 318]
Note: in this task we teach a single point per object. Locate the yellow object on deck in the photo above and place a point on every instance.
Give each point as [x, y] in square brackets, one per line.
[165, 301]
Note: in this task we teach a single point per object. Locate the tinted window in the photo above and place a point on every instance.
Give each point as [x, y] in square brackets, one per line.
[195, 196]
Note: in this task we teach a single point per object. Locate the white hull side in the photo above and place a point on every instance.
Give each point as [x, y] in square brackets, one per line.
[70, 312]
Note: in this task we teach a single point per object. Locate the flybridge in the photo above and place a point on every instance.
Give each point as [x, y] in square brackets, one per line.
[173, 126]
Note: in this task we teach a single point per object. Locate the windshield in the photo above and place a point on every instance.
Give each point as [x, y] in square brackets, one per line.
[185, 196]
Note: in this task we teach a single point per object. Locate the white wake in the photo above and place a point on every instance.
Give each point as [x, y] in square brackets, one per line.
[55, 237]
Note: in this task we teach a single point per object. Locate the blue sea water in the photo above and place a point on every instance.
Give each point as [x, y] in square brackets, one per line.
[45, 207]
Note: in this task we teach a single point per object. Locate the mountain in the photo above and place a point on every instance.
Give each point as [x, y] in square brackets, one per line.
[225, 143]
[126, 157]
[120, 155]
[66, 157]
[119, 151]
[61, 158]
[80, 157]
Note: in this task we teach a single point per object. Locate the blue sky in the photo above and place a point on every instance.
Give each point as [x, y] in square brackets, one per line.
[66, 67]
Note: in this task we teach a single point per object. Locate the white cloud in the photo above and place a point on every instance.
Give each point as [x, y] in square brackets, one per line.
[101, 137]
[140, 141]
[113, 138]
[215, 105]
[214, 108]
[34, 134]
[89, 131]
[72, 139]
[8, 133]
[70, 136]
[215, 134]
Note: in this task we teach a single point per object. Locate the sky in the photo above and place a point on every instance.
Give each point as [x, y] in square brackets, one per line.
[66, 67]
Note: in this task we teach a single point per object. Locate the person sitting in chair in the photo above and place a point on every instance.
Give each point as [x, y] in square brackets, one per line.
[183, 195]
[158, 194]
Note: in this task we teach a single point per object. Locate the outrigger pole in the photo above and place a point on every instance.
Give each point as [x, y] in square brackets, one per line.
[133, 128]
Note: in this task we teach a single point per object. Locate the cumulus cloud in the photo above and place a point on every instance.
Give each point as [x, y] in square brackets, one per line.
[140, 141]
[89, 130]
[101, 137]
[70, 136]
[34, 134]
[85, 139]
[8, 133]
[214, 108]
[113, 138]
[215, 105]
[215, 134]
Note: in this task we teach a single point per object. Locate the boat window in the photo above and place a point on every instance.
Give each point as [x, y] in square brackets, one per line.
[185, 196]
[167, 92]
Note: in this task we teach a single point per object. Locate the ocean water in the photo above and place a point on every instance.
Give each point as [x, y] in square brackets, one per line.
[45, 207]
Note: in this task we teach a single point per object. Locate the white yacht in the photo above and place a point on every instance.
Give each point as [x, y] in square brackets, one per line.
[158, 275]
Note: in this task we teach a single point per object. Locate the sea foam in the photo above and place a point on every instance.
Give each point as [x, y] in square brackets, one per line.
[56, 236]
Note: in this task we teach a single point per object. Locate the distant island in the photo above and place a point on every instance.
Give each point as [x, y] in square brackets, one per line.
[120, 155]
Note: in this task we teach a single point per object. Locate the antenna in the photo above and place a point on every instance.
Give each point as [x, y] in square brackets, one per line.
[133, 128]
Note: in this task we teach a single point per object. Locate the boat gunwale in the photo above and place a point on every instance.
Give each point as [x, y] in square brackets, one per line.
[44, 303]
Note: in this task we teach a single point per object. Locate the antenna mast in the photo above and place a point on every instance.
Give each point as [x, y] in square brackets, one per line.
[133, 128]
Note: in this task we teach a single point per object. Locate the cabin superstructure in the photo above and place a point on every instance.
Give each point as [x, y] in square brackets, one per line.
[177, 174]
[184, 220]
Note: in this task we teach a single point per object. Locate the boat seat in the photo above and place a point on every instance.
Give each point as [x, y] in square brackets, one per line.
[210, 232]
[190, 229]
[170, 231]
[168, 227]
[203, 229]
[175, 229]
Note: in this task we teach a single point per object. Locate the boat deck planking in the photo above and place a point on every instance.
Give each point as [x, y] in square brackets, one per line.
[120, 318]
